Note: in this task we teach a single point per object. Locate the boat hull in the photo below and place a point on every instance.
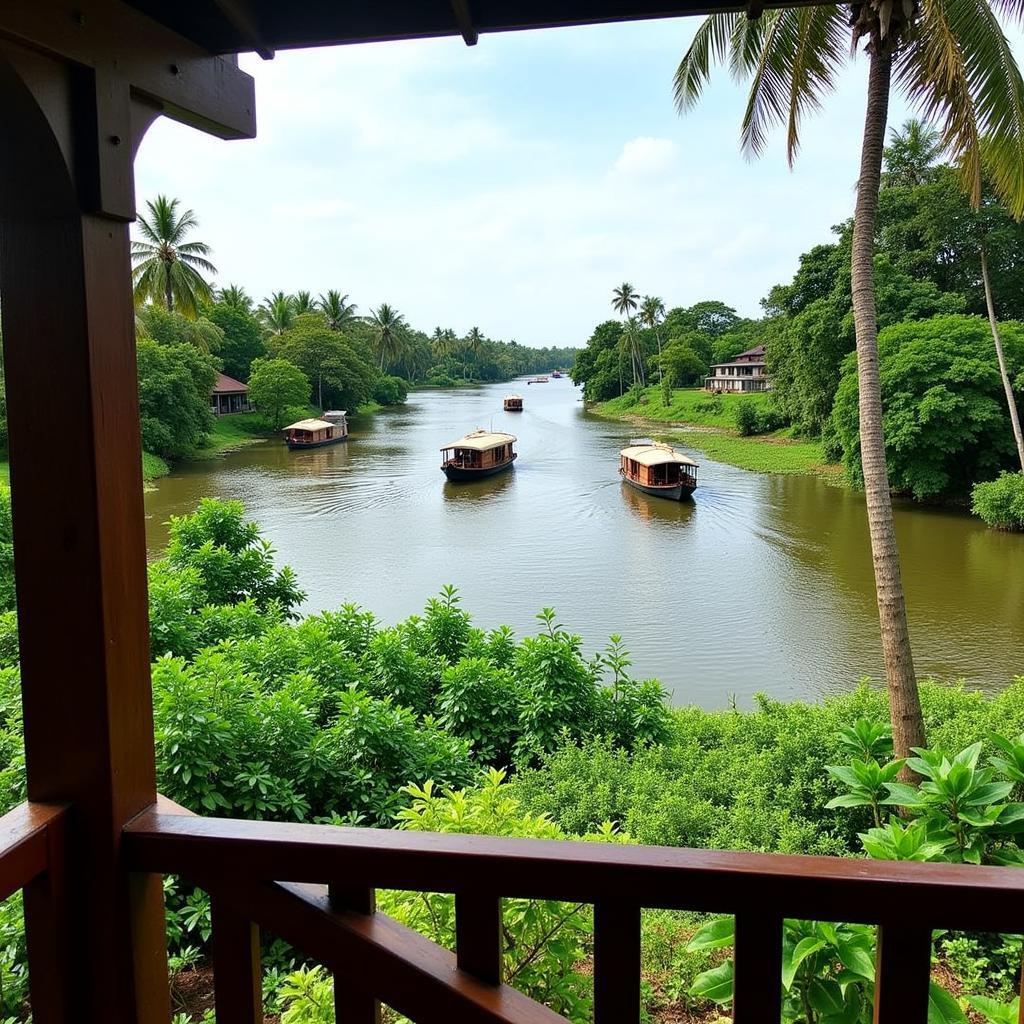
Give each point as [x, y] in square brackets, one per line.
[297, 446]
[460, 474]
[678, 492]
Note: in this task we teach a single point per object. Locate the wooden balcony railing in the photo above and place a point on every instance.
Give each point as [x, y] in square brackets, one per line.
[314, 886]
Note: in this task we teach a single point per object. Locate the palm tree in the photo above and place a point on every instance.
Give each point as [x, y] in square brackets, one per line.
[236, 297]
[167, 268]
[624, 299]
[474, 342]
[277, 312]
[337, 309]
[390, 327]
[652, 312]
[302, 302]
[911, 154]
[958, 67]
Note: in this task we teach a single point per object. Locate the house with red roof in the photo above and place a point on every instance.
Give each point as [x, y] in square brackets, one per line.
[229, 395]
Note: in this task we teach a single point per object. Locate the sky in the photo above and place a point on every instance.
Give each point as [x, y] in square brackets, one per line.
[511, 185]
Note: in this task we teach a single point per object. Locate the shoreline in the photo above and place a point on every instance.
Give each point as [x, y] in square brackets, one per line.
[775, 452]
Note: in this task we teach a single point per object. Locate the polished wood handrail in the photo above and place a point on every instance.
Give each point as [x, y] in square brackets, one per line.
[28, 833]
[262, 871]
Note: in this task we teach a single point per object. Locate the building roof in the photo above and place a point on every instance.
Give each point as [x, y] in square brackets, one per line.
[264, 26]
[310, 425]
[226, 385]
[757, 350]
[656, 455]
[481, 440]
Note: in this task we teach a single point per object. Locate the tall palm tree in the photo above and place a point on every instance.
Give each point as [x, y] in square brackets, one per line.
[624, 299]
[652, 312]
[236, 297]
[389, 326]
[474, 342]
[277, 312]
[337, 309]
[953, 61]
[167, 268]
[302, 302]
[912, 153]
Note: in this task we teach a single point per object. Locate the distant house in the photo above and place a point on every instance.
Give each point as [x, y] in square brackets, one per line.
[745, 373]
[229, 395]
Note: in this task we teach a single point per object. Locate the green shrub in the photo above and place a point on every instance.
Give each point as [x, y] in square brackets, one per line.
[1000, 503]
[745, 414]
[390, 391]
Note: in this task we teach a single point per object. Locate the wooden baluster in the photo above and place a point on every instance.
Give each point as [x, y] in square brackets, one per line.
[351, 1004]
[478, 944]
[616, 963]
[757, 962]
[903, 963]
[237, 977]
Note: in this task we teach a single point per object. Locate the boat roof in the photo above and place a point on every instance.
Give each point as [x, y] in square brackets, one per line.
[481, 440]
[656, 455]
[507, 397]
[309, 425]
[335, 412]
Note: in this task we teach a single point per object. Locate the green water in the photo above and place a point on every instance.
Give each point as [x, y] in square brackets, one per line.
[760, 583]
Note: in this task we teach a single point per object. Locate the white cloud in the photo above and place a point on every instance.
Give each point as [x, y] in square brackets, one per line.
[645, 155]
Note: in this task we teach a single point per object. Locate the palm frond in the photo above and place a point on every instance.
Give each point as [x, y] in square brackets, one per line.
[960, 71]
[800, 53]
[1012, 10]
[196, 262]
[710, 45]
[199, 248]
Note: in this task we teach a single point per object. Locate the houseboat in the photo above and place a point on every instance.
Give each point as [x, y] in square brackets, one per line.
[513, 403]
[658, 469]
[315, 433]
[537, 380]
[339, 417]
[482, 453]
[557, 375]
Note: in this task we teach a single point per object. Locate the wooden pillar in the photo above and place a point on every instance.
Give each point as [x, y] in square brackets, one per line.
[79, 542]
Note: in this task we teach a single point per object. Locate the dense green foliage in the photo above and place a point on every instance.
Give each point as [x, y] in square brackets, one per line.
[275, 387]
[1000, 502]
[944, 409]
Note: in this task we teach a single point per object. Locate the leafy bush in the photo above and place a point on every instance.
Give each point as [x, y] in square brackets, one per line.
[745, 413]
[1000, 502]
[390, 390]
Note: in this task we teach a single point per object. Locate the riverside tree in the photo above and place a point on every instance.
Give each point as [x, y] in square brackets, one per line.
[958, 65]
[276, 386]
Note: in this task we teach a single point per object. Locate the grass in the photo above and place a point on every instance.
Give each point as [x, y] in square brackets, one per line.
[233, 431]
[692, 407]
[153, 467]
[715, 434]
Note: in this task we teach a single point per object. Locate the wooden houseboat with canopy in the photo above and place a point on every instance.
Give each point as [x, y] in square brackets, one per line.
[513, 403]
[482, 453]
[316, 433]
[80, 85]
[658, 469]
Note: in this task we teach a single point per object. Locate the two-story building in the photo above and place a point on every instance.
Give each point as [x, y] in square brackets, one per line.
[744, 373]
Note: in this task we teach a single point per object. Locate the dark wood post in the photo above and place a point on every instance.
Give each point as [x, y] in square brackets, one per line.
[76, 95]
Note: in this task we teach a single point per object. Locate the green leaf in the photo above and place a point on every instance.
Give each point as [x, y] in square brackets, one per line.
[942, 1007]
[902, 794]
[857, 959]
[848, 800]
[800, 952]
[826, 996]
[714, 935]
[715, 984]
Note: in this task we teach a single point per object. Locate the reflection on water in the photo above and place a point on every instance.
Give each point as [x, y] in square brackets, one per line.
[758, 583]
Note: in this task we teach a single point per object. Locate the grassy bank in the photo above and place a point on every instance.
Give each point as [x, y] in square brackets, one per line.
[153, 467]
[712, 430]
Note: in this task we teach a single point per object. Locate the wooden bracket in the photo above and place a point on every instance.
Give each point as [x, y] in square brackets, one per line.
[464, 19]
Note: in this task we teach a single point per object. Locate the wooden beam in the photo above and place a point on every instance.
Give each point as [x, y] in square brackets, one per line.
[241, 17]
[464, 20]
[79, 551]
[176, 76]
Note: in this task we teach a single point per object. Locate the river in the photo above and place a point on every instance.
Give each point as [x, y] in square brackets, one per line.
[761, 583]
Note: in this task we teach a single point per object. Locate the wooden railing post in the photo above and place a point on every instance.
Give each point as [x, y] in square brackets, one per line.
[478, 944]
[237, 974]
[903, 964]
[353, 1005]
[757, 964]
[616, 963]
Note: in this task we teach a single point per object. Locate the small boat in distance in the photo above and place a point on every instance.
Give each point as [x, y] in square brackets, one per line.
[658, 469]
[314, 433]
[513, 403]
[482, 453]
[557, 375]
[537, 380]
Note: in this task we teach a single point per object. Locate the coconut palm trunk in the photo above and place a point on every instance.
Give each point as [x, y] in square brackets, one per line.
[904, 701]
[1007, 386]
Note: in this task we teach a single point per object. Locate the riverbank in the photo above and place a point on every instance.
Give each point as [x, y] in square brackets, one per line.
[708, 423]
